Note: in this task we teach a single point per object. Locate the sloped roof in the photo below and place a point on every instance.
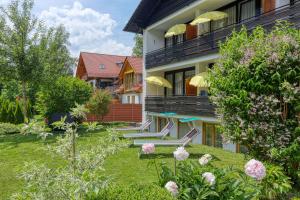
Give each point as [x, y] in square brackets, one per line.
[150, 11]
[92, 62]
[136, 63]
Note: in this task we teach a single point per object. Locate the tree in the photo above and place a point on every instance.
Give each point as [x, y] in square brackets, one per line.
[62, 95]
[255, 87]
[99, 103]
[138, 47]
[19, 117]
[29, 52]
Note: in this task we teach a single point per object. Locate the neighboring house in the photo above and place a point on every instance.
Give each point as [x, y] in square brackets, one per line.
[131, 80]
[180, 57]
[100, 70]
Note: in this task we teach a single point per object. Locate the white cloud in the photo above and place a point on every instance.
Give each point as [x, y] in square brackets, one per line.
[89, 30]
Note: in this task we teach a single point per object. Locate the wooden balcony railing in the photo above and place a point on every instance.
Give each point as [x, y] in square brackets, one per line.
[209, 43]
[183, 105]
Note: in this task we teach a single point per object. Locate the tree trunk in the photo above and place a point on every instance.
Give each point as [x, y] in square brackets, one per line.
[25, 101]
[73, 140]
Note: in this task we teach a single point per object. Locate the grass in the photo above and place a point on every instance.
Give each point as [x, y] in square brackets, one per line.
[125, 167]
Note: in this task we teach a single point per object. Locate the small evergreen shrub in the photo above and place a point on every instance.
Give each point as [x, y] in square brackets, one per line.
[11, 111]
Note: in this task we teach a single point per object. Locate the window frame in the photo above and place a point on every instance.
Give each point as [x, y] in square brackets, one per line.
[173, 79]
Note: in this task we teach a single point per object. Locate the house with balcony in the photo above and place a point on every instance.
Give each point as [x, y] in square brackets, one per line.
[181, 43]
[100, 70]
[131, 81]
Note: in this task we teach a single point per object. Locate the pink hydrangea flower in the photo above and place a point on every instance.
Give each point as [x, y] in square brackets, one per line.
[255, 169]
[181, 154]
[205, 159]
[209, 177]
[148, 148]
[172, 188]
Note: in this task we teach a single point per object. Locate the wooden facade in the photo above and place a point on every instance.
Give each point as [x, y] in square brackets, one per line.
[129, 78]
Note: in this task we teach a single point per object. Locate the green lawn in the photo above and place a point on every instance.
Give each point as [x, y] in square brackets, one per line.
[124, 167]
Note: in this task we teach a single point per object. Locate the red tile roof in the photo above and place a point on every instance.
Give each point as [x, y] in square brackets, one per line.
[92, 62]
[136, 63]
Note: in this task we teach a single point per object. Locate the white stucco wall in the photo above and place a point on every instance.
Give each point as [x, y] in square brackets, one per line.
[230, 147]
[155, 40]
[280, 3]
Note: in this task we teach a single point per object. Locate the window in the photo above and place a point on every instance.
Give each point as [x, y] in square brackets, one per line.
[231, 15]
[133, 99]
[247, 10]
[161, 123]
[179, 80]
[120, 64]
[129, 81]
[179, 83]
[203, 28]
[128, 99]
[169, 41]
[179, 38]
[169, 91]
[211, 135]
[101, 66]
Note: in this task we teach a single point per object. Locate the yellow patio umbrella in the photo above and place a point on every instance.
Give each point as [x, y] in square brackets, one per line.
[176, 30]
[199, 20]
[214, 15]
[200, 80]
[159, 81]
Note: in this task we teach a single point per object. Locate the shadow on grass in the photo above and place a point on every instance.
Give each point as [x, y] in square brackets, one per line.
[14, 140]
[170, 155]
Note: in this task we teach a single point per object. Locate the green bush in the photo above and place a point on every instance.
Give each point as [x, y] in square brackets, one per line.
[134, 192]
[255, 87]
[19, 116]
[229, 183]
[62, 95]
[99, 103]
[7, 128]
[11, 112]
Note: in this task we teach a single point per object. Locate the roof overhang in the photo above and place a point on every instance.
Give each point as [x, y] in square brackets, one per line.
[150, 11]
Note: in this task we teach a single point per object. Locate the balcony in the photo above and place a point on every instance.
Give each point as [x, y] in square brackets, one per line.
[208, 43]
[182, 105]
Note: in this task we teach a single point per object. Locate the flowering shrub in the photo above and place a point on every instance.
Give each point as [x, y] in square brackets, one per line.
[196, 180]
[255, 169]
[172, 188]
[255, 87]
[204, 160]
[181, 154]
[209, 177]
[148, 148]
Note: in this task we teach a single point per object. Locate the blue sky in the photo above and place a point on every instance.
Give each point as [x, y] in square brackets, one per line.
[94, 25]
